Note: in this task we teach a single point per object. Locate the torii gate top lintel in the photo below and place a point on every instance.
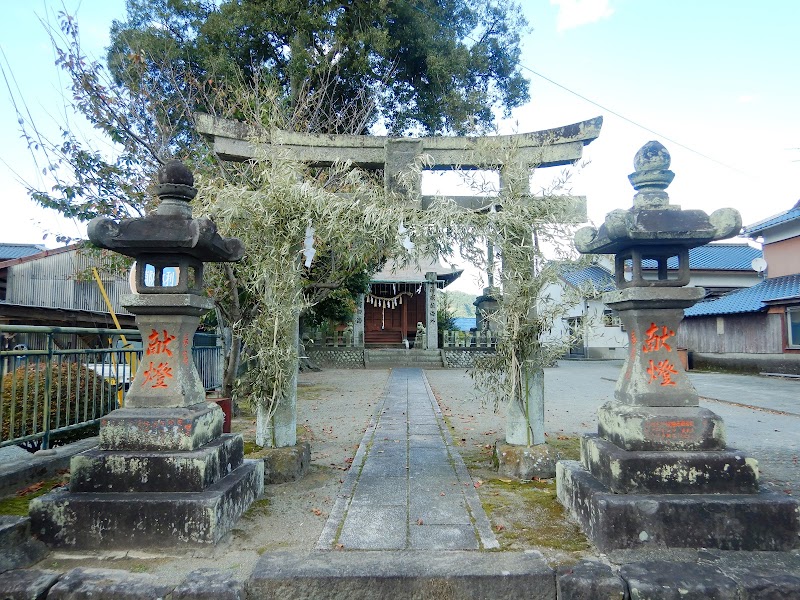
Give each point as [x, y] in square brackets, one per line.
[232, 140]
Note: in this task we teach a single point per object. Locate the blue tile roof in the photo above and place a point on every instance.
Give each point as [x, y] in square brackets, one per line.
[12, 251]
[790, 215]
[716, 257]
[749, 300]
[598, 277]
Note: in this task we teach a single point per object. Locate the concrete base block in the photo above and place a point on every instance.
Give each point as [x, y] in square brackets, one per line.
[81, 583]
[17, 548]
[762, 521]
[525, 462]
[210, 584]
[589, 581]
[108, 471]
[662, 580]
[164, 429]
[289, 463]
[397, 574]
[146, 520]
[657, 428]
[27, 584]
[636, 472]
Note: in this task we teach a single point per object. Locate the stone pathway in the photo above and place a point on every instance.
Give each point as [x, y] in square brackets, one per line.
[408, 488]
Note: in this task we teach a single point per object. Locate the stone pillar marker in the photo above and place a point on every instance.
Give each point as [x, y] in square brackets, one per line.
[164, 473]
[659, 473]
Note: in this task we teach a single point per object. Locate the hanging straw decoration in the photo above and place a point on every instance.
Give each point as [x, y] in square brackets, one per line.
[392, 302]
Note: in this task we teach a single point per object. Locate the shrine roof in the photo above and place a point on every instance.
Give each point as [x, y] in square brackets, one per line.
[599, 278]
[750, 300]
[714, 257]
[414, 272]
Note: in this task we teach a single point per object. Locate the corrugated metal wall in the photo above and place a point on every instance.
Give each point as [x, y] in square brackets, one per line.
[751, 334]
[52, 282]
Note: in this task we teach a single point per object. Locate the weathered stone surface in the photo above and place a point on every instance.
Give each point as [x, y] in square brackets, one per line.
[210, 584]
[589, 581]
[108, 471]
[26, 468]
[284, 464]
[624, 472]
[760, 521]
[167, 376]
[396, 574]
[17, 548]
[108, 584]
[525, 462]
[651, 375]
[146, 520]
[662, 580]
[652, 428]
[27, 584]
[167, 429]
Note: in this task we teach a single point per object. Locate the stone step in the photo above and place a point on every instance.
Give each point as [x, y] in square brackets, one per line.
[17, 548]
[109, 471]
[403, 358]
[397, 574]
[761, 521]
[677, 472]
[90, 520]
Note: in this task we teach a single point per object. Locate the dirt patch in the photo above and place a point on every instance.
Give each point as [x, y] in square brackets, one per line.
[523, 515]
[334, 409]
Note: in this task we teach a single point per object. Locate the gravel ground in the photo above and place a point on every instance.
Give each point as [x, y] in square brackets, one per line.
[334, 408]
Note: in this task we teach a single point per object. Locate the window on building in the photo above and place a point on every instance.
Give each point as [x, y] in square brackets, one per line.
[793, 325]
[611, 318]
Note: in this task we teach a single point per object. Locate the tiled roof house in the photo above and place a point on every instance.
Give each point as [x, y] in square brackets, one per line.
[757, 328]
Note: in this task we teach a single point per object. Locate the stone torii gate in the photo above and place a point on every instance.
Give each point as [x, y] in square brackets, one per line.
[232, 141]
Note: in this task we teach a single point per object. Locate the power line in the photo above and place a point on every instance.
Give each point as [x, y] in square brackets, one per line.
[587, 99]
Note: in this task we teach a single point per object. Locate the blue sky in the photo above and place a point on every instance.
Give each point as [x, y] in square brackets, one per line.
[720, 77]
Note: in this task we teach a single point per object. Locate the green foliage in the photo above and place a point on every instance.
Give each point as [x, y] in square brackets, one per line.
[77, 394]
[461, 303]
[438, 66]
[445, 317]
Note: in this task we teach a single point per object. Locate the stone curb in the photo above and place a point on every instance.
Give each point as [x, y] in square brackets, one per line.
[16, 473]
[442, 575]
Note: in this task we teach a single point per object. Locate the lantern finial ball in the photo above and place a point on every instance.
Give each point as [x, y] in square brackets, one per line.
[175, 172]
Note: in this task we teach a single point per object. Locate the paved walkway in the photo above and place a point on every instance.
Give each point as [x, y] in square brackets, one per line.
[407, 488]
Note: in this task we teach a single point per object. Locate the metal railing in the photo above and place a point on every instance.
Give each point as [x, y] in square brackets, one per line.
[48, 389]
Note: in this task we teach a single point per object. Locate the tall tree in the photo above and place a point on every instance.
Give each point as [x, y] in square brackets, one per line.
[432, 66]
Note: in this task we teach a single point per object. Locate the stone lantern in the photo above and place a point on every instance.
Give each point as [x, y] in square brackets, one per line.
[164, 473]
[658, 473]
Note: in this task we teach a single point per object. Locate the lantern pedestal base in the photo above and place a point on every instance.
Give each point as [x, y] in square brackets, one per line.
[162, 477]
[759, 521]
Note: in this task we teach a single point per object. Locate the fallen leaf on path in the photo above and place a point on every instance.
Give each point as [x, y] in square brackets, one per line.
[420, 522]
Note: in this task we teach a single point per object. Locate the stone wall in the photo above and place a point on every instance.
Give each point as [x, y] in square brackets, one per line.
[353, 358]
[463, 358]
[342, 358]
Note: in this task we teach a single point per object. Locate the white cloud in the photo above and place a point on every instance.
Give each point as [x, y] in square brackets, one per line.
[574, 13]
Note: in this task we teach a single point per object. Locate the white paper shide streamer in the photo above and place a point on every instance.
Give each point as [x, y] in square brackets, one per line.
[308, 246]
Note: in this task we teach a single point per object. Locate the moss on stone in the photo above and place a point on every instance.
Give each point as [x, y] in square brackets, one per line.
[528, 515]
[18, 504]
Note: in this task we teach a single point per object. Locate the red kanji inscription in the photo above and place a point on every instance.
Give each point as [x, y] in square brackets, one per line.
[158, 374]
[664, 370]
[655, 340]
[158, 345]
